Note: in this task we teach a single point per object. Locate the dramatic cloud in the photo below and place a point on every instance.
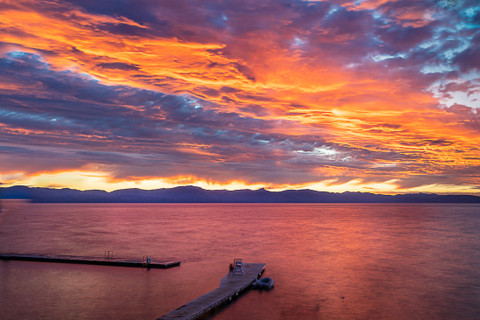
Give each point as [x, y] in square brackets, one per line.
[378, 96]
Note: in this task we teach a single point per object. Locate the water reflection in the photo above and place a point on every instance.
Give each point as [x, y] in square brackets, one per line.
[328, 261]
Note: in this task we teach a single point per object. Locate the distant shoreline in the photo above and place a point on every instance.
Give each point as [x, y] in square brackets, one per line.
[191, 194]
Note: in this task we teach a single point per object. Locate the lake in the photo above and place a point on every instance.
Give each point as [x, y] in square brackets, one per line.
[329, 261]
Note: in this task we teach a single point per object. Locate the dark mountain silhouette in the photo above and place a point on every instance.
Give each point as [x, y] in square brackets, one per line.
[190, 194]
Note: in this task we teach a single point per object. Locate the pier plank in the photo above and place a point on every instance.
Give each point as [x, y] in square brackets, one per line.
[90, 260]
[230, 286]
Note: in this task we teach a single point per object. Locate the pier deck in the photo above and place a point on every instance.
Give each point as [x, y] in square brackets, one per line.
[90, 260]
[230, 286]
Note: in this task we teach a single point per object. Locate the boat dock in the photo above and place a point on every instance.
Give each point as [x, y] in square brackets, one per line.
[236, 281]
[107, 261]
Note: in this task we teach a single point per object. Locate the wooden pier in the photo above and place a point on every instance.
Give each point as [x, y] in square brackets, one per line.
[235, 282]
[108, 261]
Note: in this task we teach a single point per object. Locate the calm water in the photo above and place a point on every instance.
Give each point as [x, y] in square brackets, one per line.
[329, 261]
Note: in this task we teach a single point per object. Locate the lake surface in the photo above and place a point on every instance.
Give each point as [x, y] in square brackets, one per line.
[329, 261]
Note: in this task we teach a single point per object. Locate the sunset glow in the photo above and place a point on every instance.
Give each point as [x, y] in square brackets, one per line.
[372, 96]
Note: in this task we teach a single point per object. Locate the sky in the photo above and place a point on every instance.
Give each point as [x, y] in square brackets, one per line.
[373, 96]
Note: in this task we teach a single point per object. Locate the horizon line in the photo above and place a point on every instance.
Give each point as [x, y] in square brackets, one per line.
[245, 189]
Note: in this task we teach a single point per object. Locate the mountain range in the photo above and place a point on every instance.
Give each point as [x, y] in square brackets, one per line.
[191, 194]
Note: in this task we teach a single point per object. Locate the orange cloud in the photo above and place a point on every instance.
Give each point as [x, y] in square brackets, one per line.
[324, 104]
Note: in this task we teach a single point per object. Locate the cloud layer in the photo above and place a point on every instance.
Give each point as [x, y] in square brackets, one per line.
[375, 96]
